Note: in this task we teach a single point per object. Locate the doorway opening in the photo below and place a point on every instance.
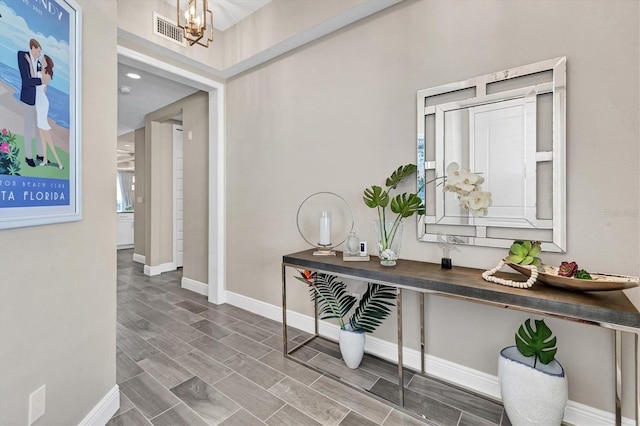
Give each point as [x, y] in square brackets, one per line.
[216, 219]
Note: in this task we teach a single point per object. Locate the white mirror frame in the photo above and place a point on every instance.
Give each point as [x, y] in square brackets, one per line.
[488, 231]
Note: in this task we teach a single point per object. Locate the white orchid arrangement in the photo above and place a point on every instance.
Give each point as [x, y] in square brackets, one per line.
[467, 186]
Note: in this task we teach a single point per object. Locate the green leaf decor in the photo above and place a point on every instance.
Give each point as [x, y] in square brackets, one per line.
[403, 205]
[400, 174]
[538, 342]
[406, 205]
[376, 197]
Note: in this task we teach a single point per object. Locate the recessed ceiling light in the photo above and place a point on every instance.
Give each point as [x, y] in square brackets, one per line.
[133, 76]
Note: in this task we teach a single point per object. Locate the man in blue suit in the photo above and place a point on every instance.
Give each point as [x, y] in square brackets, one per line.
[28, 97]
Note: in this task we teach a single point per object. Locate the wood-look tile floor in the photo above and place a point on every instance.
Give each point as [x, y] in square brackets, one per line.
[184, 361]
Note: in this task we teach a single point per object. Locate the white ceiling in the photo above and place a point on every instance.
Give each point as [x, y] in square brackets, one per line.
[149, 93]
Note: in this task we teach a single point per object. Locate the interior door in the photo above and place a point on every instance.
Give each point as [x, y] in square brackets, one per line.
[178, 196]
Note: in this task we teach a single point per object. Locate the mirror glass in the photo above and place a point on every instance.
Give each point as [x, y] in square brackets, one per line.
[508, 127]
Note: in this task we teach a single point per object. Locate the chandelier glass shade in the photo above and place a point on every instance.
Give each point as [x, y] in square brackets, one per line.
[195, 18]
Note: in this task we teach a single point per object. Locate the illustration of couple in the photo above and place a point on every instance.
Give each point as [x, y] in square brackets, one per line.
[33, 94]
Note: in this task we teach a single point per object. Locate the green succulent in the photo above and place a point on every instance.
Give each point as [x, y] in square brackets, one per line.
[525, 253]
[582, 274]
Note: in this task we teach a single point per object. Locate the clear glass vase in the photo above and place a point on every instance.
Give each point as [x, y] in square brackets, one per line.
[352, 244]
[388, 241]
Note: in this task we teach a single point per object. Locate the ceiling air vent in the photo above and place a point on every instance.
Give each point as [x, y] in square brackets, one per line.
[168, 29]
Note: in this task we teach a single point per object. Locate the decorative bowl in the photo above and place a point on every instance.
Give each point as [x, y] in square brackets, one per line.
[600, 282]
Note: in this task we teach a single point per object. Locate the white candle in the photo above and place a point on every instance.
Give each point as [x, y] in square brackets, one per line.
[325, 228]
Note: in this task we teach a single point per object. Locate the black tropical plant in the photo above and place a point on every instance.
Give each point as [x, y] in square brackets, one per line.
[334, 301]
[373, 308]
[331, 296]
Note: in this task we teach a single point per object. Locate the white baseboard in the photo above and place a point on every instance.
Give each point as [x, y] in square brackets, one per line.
[138, 258]
[158, 269]
[195, 286]
[580, 414]
[104, 410]
[478, 381]
[124, 246]
[261, 308]
[474, 380]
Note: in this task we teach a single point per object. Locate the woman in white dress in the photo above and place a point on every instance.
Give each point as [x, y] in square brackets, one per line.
[42, 110]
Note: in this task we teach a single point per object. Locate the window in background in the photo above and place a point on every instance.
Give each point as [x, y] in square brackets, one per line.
[125, 191]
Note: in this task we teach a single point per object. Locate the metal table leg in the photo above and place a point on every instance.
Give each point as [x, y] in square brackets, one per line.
[637, 355]
[285, 341]
[400, 369]
[618, 373]
[422, 338]
[284, 311]
[316, 326]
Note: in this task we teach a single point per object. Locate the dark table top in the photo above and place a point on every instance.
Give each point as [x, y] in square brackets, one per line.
[608, 307]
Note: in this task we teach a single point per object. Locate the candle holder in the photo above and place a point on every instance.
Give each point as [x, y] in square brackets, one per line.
[322, 219]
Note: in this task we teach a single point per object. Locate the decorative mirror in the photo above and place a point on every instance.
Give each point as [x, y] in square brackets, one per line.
[508, 127]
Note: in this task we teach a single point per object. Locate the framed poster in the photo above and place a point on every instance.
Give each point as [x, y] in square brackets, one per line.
[39, 112]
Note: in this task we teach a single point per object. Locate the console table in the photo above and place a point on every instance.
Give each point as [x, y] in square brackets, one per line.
[609, 309]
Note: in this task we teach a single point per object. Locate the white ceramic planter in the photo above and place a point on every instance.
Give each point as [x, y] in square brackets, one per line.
[531, 396]
[351, 347]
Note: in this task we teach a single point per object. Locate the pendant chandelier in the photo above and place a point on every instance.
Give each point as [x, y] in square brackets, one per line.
[195, 18]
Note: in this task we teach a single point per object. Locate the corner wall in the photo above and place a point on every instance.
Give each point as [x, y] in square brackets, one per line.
[159, 185]
[58, 286]
[138, 215]
[339, 115]
[196, 187]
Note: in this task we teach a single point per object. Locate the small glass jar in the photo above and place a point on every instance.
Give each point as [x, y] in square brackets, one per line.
[352, 244]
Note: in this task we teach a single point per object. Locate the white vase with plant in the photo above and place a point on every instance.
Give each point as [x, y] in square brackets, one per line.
[335, 302]
[533, 384]
[388, 226]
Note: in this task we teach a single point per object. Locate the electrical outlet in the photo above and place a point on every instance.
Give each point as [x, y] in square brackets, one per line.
[37, 404]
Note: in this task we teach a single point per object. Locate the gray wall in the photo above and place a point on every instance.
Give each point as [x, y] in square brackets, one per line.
[139, 222]
[196, 187]
[159, 185]
[276, 22]
[57, 291]
[158, 189]
[339, 115]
